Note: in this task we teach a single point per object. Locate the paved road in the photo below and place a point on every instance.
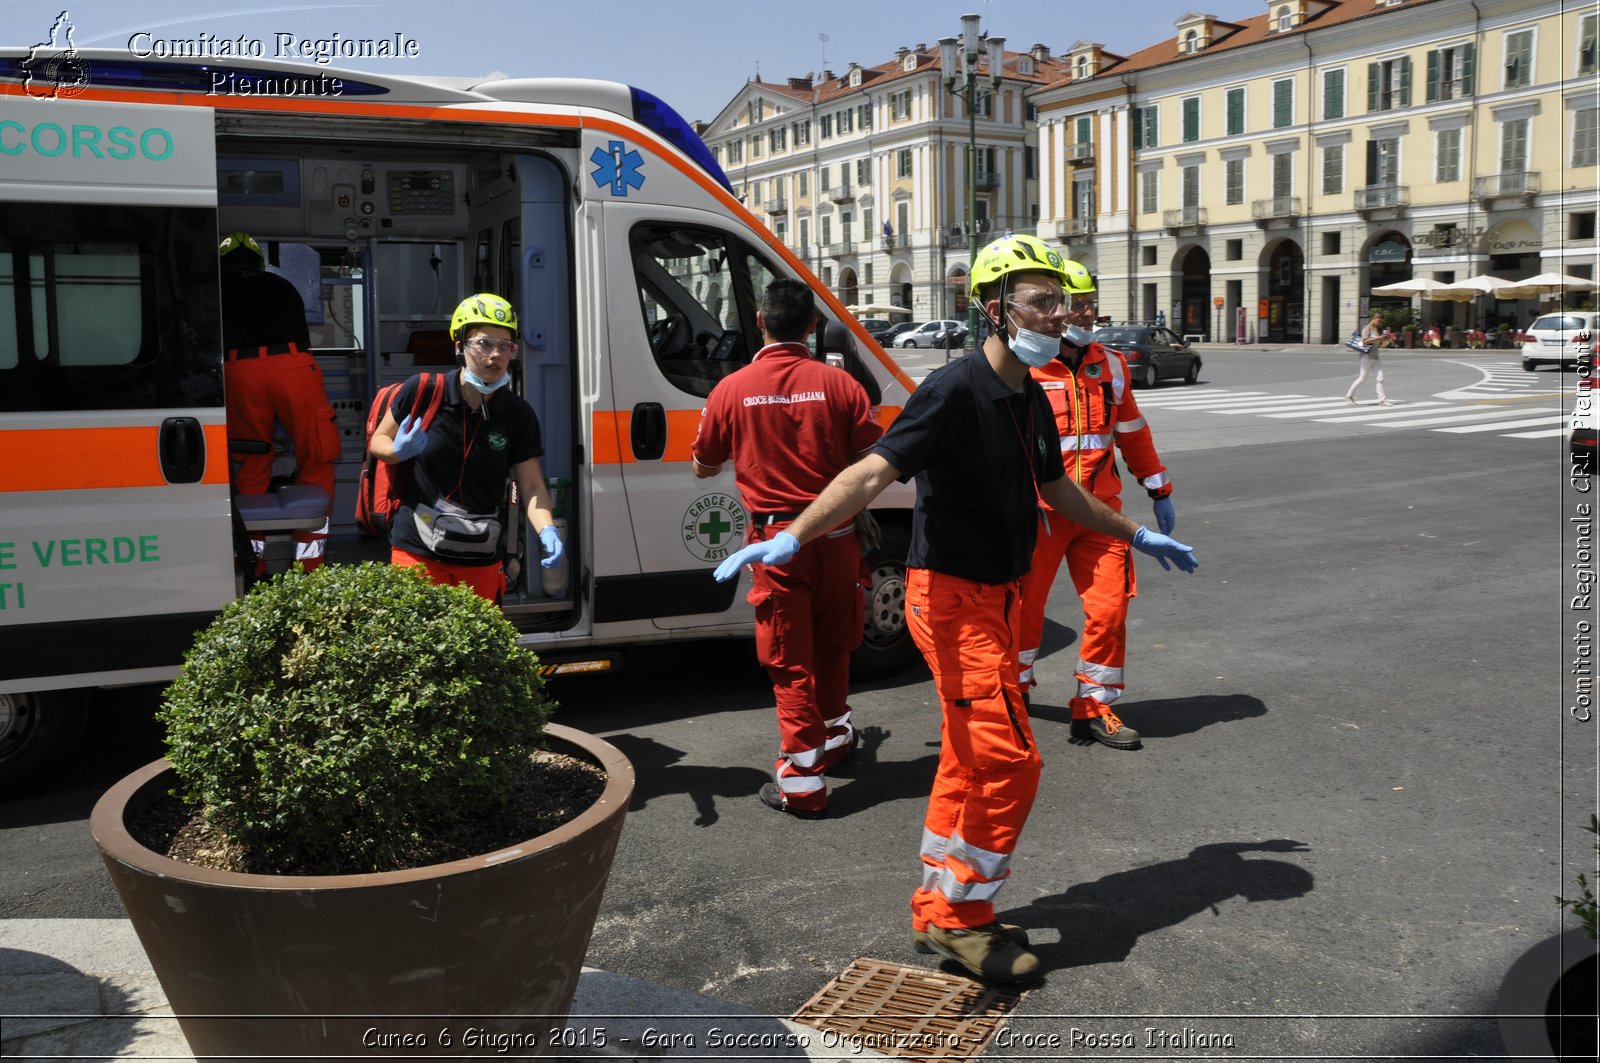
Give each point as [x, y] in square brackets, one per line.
[1358, 795]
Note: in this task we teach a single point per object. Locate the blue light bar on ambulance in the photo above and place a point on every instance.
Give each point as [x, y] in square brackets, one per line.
[207, 78]
[654, 114]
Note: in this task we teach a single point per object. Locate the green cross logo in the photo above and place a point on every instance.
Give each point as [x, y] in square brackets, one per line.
[714, 526]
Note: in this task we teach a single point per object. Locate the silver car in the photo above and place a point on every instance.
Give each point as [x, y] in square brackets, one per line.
[932, 334]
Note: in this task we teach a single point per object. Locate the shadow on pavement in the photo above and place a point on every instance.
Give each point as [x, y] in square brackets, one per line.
[1163, 718]
[58, 1011]
[1101, 921]
[659, 774]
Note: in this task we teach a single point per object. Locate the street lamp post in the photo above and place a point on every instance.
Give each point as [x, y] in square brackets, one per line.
[965, 49]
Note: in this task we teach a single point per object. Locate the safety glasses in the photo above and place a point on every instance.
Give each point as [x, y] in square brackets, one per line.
[483, 346]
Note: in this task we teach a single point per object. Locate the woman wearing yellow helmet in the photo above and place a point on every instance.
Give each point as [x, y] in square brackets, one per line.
[481, 436]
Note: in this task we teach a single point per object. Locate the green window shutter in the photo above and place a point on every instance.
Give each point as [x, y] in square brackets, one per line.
[1282, 104]
[1467, 65]
[1084, 130]
[1372, 87]
[1191, 120]
[1152, 129]
[1433, 75]
[1235, 112]
[1136, 119]
[1372, 163]
[1333, 94]
[1405, 81]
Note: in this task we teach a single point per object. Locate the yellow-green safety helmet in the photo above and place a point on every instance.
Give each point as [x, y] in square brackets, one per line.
[1016, 253]
[234, 241]
[484, 308]
[1077, 280]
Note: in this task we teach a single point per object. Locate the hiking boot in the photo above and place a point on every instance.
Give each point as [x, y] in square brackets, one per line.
[986, 951]
[772, 797]
[1107, 730]
[1013, 933]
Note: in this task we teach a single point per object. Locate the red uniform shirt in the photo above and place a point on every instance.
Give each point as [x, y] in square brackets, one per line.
[789, 423]
[1096, 411]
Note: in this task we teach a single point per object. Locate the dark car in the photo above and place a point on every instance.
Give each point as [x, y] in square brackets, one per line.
[876, 326]
[1154, 353]
[887, 339]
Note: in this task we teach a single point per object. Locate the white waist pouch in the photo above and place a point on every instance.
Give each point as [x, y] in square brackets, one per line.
[450, 532]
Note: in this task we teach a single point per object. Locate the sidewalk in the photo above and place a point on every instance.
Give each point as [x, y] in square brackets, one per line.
[82, 989]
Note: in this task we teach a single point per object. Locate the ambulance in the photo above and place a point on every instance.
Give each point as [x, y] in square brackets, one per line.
[591, 205]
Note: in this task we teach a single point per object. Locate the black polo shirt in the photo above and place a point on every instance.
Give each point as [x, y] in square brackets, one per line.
[469, 457]
[978, 451]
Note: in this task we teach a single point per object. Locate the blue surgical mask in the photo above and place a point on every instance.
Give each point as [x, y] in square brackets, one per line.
[1078, 336]
[1035, 349]
[477, 382]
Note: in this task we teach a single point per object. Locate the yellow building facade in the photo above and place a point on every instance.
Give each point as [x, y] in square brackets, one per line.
[1255, 179]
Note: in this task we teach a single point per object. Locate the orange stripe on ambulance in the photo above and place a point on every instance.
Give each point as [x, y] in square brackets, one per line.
[49, 140]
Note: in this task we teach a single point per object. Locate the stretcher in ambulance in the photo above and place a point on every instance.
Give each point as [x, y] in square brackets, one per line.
[592, 206]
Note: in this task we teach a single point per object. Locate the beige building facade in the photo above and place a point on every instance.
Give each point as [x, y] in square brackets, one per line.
[1255, 179]
[865, 174]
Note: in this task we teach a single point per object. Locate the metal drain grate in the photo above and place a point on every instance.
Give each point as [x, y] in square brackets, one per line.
[909, 1011]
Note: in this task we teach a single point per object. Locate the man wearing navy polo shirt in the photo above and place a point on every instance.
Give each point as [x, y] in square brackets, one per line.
[980, 438]
[790, 424]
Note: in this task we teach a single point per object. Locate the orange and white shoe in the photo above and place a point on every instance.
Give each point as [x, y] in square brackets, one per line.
[1108, 730]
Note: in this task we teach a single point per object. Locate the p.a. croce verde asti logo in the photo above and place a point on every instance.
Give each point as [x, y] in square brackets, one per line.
[714, 526]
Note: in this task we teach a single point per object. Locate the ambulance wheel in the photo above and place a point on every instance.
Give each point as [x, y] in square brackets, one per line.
[38, 732]
[886, 646]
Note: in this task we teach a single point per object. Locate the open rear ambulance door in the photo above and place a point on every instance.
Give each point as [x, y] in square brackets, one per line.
[115, 526]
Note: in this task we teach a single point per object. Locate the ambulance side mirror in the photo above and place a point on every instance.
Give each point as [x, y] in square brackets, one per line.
[835, 338]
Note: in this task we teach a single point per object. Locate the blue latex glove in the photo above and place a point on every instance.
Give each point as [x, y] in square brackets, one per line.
[550, 539]
[1164, 549]
[410, 439]
[778, 550]
[1166, 516]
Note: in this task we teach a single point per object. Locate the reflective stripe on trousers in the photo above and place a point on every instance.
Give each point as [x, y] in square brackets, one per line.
[989, 764]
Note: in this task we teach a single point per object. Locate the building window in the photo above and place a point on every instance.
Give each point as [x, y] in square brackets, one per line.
[826, 230]
[1147, 256]
[822, 180]
[827, 276]
[1030, 162]
[805, 232]
[1330, 243]
[902, 220]
[1282, 103]
[755, 194]
[1580, 225]
[864, 115]
[1383, 162]
[1588, 41]
[1282, 175]
[1191, 119]
[844, 121]
[847, 228]
[1585, 135]
[1082, 130]
[1191, 41]
[1233, 171]
[1389, 84]
[1285, 21]
[1333, 170]
[755, 146]
[1332, 94]
[1146, 127]
[902, 163]
[825, 127]
[735, 151]
[1235, 111]
[984, 107]
[1191, 187]
[1514, 146]
[802, 132]
[1447, 149]
[805, 183]
[1450, 73]
[1519, 59]
[844, 176]
[1149, 183]
[1233, 250]
[986, 168]
[1083, 196]
[900, 105]
[864, 173]
[778, 139]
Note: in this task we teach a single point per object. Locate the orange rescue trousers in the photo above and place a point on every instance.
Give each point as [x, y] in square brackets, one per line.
[486, 581]
[282, 385]
[989, 764]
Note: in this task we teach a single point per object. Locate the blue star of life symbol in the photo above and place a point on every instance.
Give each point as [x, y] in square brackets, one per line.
[613, 167]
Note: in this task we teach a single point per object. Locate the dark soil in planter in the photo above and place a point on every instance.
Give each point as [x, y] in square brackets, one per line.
[555, 789]
[1574, 1035]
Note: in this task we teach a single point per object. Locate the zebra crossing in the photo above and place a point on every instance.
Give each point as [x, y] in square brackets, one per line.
[1521, 420]
[1505, 378]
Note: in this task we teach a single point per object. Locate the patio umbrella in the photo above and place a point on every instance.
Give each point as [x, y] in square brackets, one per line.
[1465, 291]
[1545, 284]
[873, 310]
[1415, 286]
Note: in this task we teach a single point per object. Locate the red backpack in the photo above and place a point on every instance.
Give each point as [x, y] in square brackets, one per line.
[380, 486]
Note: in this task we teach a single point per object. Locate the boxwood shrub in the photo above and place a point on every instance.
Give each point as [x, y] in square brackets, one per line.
[330, 719]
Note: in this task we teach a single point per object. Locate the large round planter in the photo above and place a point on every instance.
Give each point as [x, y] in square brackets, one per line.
[1526, 1007]
[431, 960]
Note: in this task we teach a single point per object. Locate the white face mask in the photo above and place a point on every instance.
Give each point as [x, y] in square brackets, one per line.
[1078, 336]
[1035, 349]
[477, 382]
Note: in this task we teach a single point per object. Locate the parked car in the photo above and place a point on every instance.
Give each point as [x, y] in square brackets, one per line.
[891, 338]
[876, 326]
[1154, 353]
[1561, 338]
[1585, 425]
[930, 334]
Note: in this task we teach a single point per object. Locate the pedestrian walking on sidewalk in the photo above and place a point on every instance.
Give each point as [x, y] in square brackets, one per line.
[979, 437]
[1373, 339]
[790, 424]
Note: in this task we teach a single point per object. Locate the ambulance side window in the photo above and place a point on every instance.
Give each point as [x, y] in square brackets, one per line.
[108, 307]
[698, 294]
